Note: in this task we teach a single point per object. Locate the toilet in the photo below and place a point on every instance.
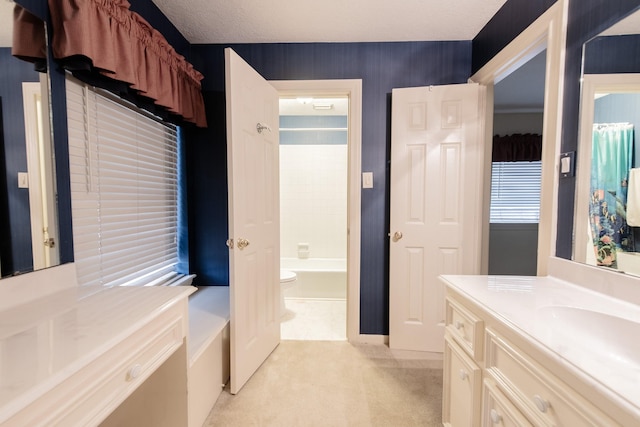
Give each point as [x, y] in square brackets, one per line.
[287, 280]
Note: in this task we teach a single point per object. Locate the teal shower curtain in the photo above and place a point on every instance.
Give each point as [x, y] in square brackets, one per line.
[612, 157]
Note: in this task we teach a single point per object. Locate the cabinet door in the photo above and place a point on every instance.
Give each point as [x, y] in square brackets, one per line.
[462, 388]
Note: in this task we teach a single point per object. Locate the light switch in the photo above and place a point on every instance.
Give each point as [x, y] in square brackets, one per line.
[23, 180]
[367, 179]
[567, 164]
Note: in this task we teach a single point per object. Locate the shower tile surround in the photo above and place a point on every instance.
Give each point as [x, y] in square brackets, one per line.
[313, 189]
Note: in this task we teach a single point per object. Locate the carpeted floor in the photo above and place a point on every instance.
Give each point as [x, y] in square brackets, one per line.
[333, 383]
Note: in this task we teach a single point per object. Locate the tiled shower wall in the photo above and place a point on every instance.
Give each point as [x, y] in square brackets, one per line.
[313, 199]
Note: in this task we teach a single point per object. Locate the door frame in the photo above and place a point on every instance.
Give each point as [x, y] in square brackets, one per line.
[353, 89]
[548, 31]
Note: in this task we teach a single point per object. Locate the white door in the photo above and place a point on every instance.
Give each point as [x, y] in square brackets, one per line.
[436, 205]
[254, 218]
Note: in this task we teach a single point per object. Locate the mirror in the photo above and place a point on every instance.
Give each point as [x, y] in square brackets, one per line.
[28, 214]
[607, 210]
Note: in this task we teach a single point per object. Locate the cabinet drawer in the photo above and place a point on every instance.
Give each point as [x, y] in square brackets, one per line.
[462, 385]
[465, 328]
[541, 396]
[497, 410]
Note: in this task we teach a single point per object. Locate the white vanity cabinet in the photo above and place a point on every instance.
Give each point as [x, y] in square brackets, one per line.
[504, 367]
[88, 356]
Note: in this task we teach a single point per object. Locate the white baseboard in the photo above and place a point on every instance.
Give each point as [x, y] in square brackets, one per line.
[370, 339]
[417, 355]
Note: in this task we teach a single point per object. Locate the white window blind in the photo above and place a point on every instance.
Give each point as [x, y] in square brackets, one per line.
[123, 167]
[515, 192]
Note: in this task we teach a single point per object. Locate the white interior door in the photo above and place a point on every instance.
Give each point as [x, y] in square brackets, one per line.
[436, 205]
[254, 218]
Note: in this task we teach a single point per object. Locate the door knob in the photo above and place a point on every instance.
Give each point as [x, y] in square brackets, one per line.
[242, 243]
[230, 243]
[396, 236]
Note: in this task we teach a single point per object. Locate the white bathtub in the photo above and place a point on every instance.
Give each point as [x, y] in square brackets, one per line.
[321, 278]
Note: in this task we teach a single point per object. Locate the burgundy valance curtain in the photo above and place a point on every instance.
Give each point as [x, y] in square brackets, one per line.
[517, 148]
[103, 38]
[29, 41]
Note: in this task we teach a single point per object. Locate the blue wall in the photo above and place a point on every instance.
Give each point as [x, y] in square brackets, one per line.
[315, 135]
[613, 54]
[512, 18]
[382, 67]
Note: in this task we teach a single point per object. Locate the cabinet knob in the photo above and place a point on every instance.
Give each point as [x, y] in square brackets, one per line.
[463, 374]
[458, 324]
[541, 404]
[496, 418]
[134, 371]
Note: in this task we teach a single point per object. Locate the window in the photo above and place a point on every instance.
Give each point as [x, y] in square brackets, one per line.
[123, 167]
[515, 192]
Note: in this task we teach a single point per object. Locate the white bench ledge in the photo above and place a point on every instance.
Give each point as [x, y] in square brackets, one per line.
[208, 315]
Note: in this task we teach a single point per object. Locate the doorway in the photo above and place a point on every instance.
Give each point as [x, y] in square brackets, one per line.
[516, 162]
[347, 93]
[548, 31]
[313, 217]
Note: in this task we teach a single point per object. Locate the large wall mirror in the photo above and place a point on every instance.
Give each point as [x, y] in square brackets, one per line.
[28, 209]
[607, 210]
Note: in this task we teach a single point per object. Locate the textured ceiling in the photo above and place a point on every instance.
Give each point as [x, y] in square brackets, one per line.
[264, 21]
[278, 21]
[629, 25]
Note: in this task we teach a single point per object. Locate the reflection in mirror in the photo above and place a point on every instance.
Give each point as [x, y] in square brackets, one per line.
[28, 214]
[607, 211]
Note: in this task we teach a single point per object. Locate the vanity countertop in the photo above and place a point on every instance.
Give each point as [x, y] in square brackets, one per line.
[45, 341]
[594, 335]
